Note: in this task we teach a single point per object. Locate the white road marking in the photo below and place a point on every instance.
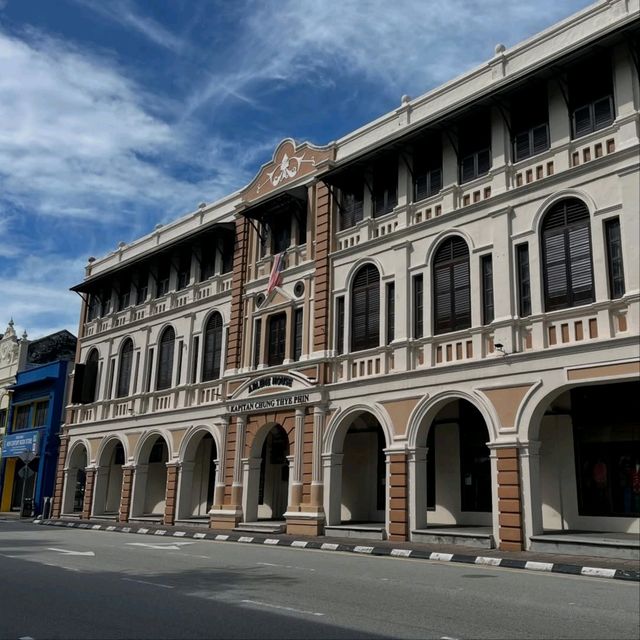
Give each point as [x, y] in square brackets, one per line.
[272, 541]
[199, 536]
[111, 528]
[361, 549]
[600, 573]
[299, 543]
[539, 566]
[72, 553]
[25, 638]
[404, 553]
[160, 532]
[281, 607]
[142, 531]
[179, 534]
[329, 546]
[284, 566]
[153, 584]
[221, 536]
[97, 526]
[245, 539]
[494, 562]
[169, 546]
[441, 556]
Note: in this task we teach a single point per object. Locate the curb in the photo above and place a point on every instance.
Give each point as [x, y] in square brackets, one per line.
[528, 565]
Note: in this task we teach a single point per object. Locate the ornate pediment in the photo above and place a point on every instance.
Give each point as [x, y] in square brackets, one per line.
[290, 164]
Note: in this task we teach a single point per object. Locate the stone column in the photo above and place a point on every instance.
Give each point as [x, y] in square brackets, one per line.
[249, 509]
[530, 483]
[397, 520]
[317, 484]
[416, 492]
[60, 477]
[332, 467]
[88, 492]
[295, 467]
[236, 488]
[171, 493]
[128, 473]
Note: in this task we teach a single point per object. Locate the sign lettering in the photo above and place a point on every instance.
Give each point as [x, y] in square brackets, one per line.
[271, 381]
[270, 403]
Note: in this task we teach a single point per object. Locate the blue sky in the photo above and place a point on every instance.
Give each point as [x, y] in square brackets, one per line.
[116, 115]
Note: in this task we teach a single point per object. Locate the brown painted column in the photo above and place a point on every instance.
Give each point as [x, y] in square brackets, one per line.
[125, 496]
[234, 343]
[322, 276]
[509, 500]
[88, 492]
[171, 493]
[59, 484]
[397, 508]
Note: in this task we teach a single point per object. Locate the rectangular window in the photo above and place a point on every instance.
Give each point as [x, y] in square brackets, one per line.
[277, 339]
[427, 168]
[340, 325]
[147, 386]
[297, 333]
[530, 122]
[280, 231]
[524, 281]
[351, 206]
[591, 95]
[124, 296]
[94, 307]
[418, 307]
[256, 343]
[40, 413]
[614, 258]
[385, 186]
[21, 417]
[194, 368]
[179, 370]
[391, 311]
[162, 284]
[142, 287]
[184, 270]
[207, 258]
[3, 418]
[112, 368]
[487, 289]
[105, 304]
[301, 220]
[474, 137]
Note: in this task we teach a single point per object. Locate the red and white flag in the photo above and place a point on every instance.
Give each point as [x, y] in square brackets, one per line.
[276, 270]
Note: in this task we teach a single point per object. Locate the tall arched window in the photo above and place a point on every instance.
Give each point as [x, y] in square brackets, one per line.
[124, 372]
[90, 383]
[451, 286]
[165, 358]
[212, 348]
[566, 255]
[365, 309]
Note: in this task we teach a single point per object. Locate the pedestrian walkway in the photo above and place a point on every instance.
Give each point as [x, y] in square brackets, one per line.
[616, 568]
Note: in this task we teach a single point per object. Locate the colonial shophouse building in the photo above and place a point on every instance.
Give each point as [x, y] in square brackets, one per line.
[450, 350]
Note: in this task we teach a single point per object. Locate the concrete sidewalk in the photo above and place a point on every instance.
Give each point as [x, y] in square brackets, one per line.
[577, 565]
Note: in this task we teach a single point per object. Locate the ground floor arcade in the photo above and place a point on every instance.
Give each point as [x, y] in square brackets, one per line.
[462, 464]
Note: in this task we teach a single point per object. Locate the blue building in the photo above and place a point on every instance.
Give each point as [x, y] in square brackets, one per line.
[30, 447]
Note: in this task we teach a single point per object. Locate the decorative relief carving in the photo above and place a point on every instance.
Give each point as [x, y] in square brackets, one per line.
[289, 163]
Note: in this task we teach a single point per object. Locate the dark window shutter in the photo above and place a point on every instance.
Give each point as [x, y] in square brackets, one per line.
[340, 325]
[365, 309]
[90, 381]
[566, 246]
[614, 258]
[78, 384]
[124, 371]
[391, 311]
[277, 339]
[418, 307]
[212, 348]
[540, 138]
[452, 288]
[165, 359]
[297, 333]
[602, 113]
[256, 343]
[487, 289]
[524, 283]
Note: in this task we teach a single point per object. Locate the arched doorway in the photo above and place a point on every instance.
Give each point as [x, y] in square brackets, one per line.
[589, 473]
[453, 478]
[108, 483]
[358, 479]
[150, 480]
[197, 477]
[267, 477]
[75, 481]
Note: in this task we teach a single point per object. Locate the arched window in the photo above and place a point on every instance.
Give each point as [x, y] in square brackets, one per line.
[365, 309]
[212, 348]
[451, 286]
[165, 358]
[90, 382]
[124, 372]
[566, 255]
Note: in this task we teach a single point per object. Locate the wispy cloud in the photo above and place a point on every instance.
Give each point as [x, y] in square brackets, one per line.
[126, 15]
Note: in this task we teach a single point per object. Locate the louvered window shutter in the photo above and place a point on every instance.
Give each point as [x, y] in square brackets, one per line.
[365, 309]
[452, 291]
[212, 348]
[90, 382]
[165, 359]
[567, 266]
[124, 372]
[277, 339]
[78, 384]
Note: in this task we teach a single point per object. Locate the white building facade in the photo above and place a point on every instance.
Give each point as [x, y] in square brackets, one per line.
[450, 350]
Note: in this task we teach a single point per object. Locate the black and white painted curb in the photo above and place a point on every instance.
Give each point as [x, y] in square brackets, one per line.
[418, 554]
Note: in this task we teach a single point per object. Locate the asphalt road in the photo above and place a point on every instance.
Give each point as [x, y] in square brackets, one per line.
[70, 583]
